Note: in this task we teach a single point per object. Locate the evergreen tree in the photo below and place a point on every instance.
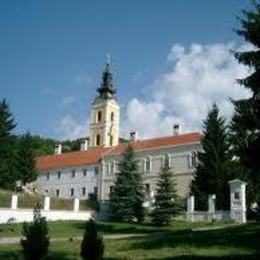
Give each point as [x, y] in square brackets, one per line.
[92, 246]
[25, 160]
[127, 196]
[7, 142]
[246, 121]
[36, 242]
[167, 203]
[213, 170]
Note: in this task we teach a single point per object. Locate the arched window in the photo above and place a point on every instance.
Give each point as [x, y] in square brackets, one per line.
[112, 116]
[111, 140]
[99, 116]
[98, 139]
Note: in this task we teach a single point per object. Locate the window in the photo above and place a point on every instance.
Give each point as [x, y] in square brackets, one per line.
[83, 191]
[46, 191]
[85, 172]
[147, 187]
[111, 189]
[112, 116]
[95, 190]
[47, 175]
[115, 167]
[194, 159]
[73, 174]
[148, 164]
[167, 160]
[72, 192]
[96, 170]
[111, 140]
[237, 196]
[107, 168]
[57, 193]
[58, 175]
[99, 116]
[98, 139]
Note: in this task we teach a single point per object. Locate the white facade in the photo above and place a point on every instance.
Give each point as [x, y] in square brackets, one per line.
[78, 181]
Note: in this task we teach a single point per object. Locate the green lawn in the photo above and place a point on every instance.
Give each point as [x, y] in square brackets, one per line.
[238, 242]
[76, 228]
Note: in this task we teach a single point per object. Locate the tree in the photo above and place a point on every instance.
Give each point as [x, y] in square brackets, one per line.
[36, 242]
[246, 120]
[214, 169]
[92, 246]
[25, 159]
[127, 196]
[167, 203]
[7, 142]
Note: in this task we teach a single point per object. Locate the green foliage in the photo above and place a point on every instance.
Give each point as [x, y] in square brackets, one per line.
[36, 242]
[127, 196]
[245, 126]
[214, 169]
[167, 203]
[7, 144]
[25, 160]
[92, 246]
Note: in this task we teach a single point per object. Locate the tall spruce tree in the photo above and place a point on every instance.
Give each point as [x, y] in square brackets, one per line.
[25, 160]
[167, 203]
[127, 196]
[7, 142]
[213, 170]
[245, 124]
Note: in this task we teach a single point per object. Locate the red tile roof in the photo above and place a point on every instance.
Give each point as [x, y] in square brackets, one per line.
[93, 155]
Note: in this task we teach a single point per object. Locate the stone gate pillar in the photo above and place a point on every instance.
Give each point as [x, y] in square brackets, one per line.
[46, 205]
[190, 208]
[238, 200]
[211, 206]
[14, 201]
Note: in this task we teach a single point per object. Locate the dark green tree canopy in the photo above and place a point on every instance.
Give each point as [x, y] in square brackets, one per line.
[213, 169]
[127, 195]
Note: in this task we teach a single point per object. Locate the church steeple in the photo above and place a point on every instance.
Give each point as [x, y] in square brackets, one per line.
[106, 89]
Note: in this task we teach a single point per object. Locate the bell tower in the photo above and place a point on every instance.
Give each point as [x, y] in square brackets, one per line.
[104, 124]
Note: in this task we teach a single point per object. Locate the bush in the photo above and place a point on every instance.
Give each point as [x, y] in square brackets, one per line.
[92, 246]
[36, 242]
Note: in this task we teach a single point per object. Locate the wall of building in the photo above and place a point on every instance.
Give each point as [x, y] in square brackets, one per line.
[180, 162]
[66, 182]
[25, 215]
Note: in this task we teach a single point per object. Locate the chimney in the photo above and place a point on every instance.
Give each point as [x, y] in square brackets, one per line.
[133, 136]
[58, 149]
[84, 145]
[176, 129]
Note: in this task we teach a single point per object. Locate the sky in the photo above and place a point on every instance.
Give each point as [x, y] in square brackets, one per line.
[170, 60]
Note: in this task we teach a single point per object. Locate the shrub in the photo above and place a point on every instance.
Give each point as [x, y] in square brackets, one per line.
[92, 246]
[36, 242]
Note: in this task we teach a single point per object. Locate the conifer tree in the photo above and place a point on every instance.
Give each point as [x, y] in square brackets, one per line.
[25, 160]
[92, 246]
[246, 121]
[36, 242]
[167, 203]
[7, 125]
[213, 170]
[127, 196]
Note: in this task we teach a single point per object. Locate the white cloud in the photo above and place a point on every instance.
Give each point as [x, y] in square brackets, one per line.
[67, 101]
[200, 75]
[71, 128]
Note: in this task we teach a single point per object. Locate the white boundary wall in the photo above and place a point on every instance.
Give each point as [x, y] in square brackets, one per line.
[26, 215]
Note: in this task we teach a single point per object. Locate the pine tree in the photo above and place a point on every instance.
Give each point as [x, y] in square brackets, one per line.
[25, 160]
[7, 125]
[246, 121]
[167, 203]
[127, 196]
[213, 170]
[92, 246]
[36, 242]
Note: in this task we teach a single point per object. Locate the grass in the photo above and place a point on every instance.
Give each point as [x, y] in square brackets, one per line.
[76, 228]
[239, 242]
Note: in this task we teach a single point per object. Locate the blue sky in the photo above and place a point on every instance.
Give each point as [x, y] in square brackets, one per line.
[52, 53]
